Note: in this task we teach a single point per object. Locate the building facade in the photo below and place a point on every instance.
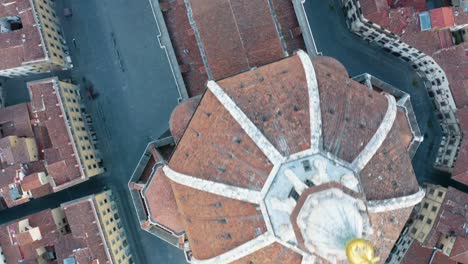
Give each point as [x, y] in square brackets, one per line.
[427, 211]
[437, 232]
[32, 38]
[78, 231]
[112, 228]
[73, 114]
[435, 78]
[402, 246]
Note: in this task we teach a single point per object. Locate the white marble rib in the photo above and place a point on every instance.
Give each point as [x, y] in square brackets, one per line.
[217, 188]
[379, 137]
[314, 101]
[247, 125]
[241, 251]
[395, 203]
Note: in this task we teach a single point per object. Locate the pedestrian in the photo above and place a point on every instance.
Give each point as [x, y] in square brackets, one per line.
[74, 42]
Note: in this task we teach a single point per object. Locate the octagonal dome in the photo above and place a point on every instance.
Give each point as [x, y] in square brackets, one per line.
[259, 142]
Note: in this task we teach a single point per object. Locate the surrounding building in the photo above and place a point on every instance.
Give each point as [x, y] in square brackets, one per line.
[402, 246]
[460, 171]
[45, 145]
[286, 162]
[247, 34]
[427, 212]
[31, 39]
[57, 106]
[439, 230]
[87, 230]
[436, 53]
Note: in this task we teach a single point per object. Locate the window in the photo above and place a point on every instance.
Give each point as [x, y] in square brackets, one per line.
[434, 208]
[426, 205]
[440, 194]
[413, 230]
[420, 217]
[429, 221]
[431, 191]
[306, 165]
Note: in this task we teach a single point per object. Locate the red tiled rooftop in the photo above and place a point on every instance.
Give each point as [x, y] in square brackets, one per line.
[14, 253]
[236, 35]
[281, 89]
[225, 154]
[442, 17]
[459, 251]
[215, 224]
[161, 202]
[453, 215]
[84, 242]
[23, 45]
[418, 5]
[15, 121]
[185, 46]
[425, 41]
[454, 61]
[51, 132]
[31, 182]
[275, 98]
[418, 254]
[181, 116]
[451, 219]
[84, 226]
[461, 17]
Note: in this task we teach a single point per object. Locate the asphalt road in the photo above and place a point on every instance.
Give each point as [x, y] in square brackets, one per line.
[118, 52]
[333, 38]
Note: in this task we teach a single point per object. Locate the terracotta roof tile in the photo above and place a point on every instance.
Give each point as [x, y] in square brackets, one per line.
[213, 222]
[418, 254]
[181, 116]
[161, 202]
[459, 251]
[274, 253]
[185, 46]
[351, 112]
[84, 225]
[216, 148]
[442, 17]
[23, 45]
[454, 61]
[15, 121]
[389, 225]
[453, 215]
[389, 174]
[225, 154]
[460, 170]
[275, 99]
[236, 35]
[51, 132]
[31, 181]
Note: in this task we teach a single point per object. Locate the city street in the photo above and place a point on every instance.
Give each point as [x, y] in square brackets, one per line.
[114, 45]
[333, 39]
